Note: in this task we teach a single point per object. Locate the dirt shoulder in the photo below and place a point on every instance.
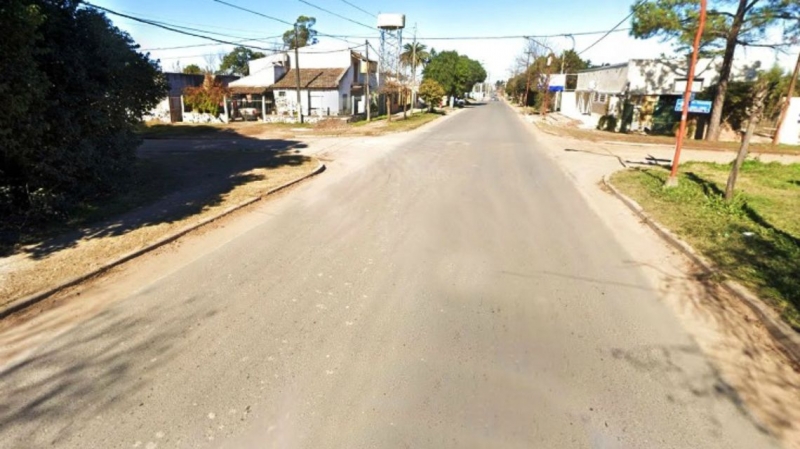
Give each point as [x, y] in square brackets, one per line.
[757, 375]
[178, 184]
[331, 127]
[564, 129]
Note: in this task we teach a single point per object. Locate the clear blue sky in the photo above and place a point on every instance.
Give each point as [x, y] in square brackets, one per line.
[433, 19]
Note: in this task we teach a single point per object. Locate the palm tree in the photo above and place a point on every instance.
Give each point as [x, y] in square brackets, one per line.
[413, 55]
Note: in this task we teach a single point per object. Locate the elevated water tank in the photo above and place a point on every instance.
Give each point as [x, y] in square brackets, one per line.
[391, 21]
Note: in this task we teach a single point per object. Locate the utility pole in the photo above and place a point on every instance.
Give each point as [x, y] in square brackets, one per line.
[366, 85]
[672, 181]
[543, 109]
[414, 70]
[297, 75]
[785, 108]
[527, 79]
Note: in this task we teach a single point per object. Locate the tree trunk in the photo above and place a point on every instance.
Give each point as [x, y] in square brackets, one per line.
[405, 105]
[715, 125]
[759, 95]
[388, 107]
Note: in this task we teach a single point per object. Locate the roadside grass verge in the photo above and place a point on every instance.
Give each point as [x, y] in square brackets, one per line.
[377, 126]
[754, 239]
[149, 182]
[158, 130]
[593, 135]
[412, 122]
[170, 191]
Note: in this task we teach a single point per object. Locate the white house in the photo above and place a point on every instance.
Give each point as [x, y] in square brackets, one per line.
[643, 84]
[331, 82]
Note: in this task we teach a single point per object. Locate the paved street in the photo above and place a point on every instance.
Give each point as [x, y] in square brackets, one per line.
[453, 291]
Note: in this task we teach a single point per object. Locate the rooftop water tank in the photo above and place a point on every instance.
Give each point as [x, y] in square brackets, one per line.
[391, 21]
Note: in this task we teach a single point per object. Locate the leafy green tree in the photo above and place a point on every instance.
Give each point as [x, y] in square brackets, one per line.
[739, 99]
[306, 34]
[431, 93]
[192, 69]
[77, 88]
[235, 62]
[730, 23]
[455, 73]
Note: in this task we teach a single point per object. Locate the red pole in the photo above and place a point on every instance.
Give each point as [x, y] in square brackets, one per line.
[687, 96]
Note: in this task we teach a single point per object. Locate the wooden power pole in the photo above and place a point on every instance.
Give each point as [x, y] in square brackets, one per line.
[366, 85]
[672, 181]
[297, 76]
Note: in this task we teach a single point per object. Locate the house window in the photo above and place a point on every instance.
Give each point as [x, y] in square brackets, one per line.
[282, 93]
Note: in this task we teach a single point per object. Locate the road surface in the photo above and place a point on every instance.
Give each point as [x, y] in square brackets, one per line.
[455, 291]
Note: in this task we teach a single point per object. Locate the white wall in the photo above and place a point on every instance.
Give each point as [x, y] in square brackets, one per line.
[659, 77]
[321, 57]
[321, 100]
[609, 80]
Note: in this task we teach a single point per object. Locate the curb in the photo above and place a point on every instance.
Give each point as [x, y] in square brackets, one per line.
[787, 340]
[32, 299]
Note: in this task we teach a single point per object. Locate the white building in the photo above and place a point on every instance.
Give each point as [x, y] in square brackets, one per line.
[332, 82]
[644, 84]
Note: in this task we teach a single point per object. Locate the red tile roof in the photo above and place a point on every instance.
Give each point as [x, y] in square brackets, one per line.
[312, 79]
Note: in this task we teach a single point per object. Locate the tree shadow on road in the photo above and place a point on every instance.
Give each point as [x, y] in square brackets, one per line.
[174, 179]
[76, 377]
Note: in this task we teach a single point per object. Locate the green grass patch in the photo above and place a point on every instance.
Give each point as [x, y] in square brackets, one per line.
[413, 121]
[754, 239]
[154, 130]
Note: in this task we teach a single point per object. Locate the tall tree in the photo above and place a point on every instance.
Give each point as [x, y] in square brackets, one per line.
[414, 55]
[192, 69]
[731, 23]
[235, 62]
[455, 73]
[306, 34]
[80, 142]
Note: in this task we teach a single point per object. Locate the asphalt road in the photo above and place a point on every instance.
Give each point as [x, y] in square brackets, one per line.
[456, 291]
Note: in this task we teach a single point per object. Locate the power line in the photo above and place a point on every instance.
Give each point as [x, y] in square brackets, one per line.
[170, 28]
[319, 33]
[334, 14]
[520, 36]
[155, 18]
[206, 45]
[633, 11]
[359, 8]
[255, 12]
[276, 52]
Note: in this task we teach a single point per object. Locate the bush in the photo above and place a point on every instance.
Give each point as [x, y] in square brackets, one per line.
[208, 97]
[74, 88]
[607, 122]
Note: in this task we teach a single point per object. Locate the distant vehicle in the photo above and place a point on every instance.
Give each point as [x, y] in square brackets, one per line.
[460, 102]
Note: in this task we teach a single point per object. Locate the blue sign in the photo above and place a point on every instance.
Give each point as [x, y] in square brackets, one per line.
[556, 88]
[695, 106]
